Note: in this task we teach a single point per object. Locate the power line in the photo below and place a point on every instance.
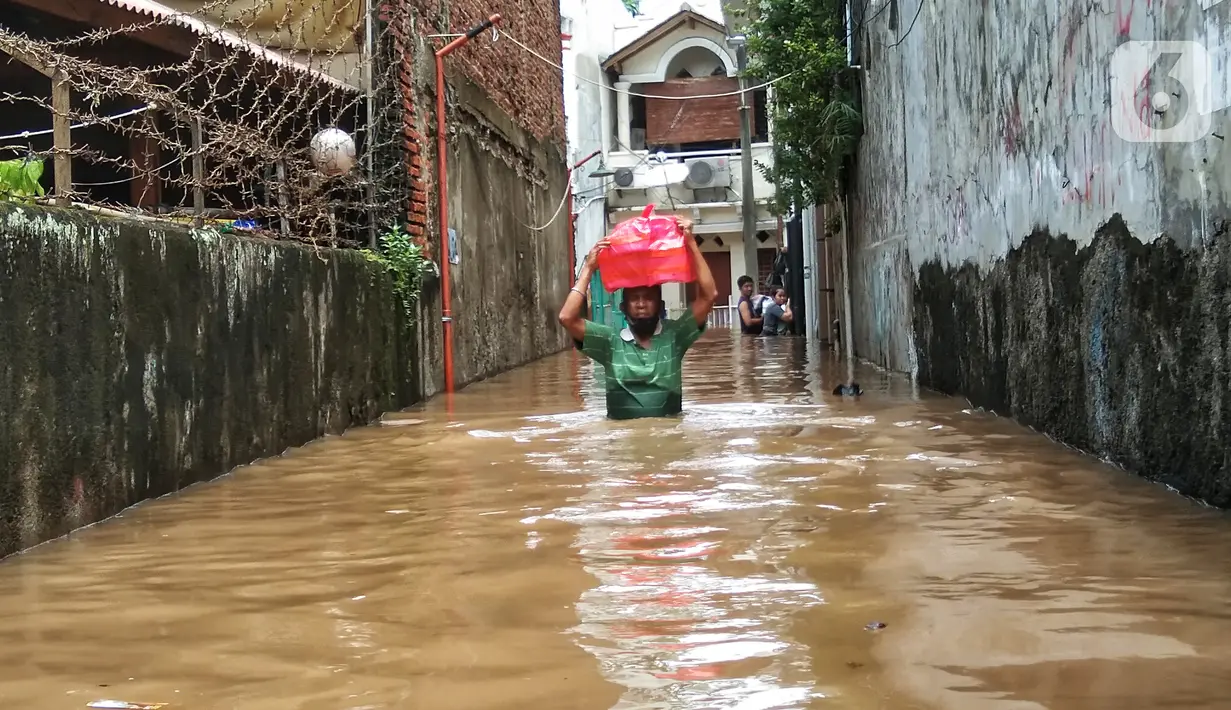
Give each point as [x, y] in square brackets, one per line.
[599, 84]
[918, 11]
[87, 124]
[846, 38]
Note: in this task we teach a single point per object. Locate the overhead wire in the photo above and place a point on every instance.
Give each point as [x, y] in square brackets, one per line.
[600, 84]
[85, 124]
[918, 11]
[845, 38]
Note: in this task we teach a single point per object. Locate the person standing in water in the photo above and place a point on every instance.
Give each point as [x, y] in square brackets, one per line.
[750, 307]
[643, 362]
[778, 317]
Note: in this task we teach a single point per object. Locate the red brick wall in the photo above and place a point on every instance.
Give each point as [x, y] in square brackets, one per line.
[416, 206]
[670, 121]
[527, 89]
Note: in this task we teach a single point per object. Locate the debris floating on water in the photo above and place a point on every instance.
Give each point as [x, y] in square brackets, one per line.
[875, 626]
[852, 390]
[400, 422]
[123, 705]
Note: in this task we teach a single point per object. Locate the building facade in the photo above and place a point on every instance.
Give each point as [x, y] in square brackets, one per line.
[667, 123]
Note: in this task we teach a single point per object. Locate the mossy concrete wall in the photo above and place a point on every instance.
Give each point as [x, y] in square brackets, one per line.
[138, 358]
[506, 207]
[1118, 348]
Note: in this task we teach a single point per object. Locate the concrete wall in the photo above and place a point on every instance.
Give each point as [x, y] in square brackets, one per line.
[585, 96]
[511, 278]
[1009, 245]
[506, 184]
[136, 360]
[507, 176]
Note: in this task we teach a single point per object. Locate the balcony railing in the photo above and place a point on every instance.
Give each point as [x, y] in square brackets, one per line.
[723, 316]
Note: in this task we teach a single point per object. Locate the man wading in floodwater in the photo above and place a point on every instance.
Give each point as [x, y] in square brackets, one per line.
[643, 361]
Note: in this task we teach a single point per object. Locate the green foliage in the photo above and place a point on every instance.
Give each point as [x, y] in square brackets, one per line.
[632, 6]
[19, 178]
[406, 263]
[814, 110]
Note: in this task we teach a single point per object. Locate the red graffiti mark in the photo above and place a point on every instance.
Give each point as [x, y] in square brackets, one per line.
[1067, 67]
[1093, 184]
[1134, 112]
[1124, 20]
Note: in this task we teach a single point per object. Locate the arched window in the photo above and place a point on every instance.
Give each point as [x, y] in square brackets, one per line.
[697, 61]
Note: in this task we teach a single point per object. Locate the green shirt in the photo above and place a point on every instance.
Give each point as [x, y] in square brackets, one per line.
[642, 382]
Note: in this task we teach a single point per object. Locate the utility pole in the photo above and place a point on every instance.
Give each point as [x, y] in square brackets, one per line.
[795, 270]
[748, 199]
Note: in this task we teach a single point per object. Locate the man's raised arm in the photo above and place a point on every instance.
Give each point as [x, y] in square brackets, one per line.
[703, 301]
[573, 312]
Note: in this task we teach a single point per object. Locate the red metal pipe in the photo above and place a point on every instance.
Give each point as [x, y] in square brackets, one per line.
[572, 259]
[586, 159]
[442, 173]
[572, 239]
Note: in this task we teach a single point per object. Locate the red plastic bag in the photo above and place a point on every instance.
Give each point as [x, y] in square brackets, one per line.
[645, 251]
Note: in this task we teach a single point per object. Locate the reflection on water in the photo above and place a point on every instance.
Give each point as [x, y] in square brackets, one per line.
[523, 552]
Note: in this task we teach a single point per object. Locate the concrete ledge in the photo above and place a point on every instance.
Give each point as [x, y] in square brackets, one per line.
[138, 358]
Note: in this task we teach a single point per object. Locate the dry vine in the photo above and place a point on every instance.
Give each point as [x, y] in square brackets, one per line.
[213, 125]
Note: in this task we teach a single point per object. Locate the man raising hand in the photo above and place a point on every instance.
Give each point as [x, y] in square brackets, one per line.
[644, 361]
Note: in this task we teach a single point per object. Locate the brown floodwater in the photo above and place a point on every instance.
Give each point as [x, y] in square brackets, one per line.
[522, 552]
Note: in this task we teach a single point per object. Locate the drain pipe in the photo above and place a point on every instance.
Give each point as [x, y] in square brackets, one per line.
[572, 259]
[442, 175]
[848, 340]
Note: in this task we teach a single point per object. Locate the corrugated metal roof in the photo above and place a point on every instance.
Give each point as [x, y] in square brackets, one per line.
[150, 8]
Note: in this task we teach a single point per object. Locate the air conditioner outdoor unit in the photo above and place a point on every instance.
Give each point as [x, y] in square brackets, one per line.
[708, 172]
[650, 176]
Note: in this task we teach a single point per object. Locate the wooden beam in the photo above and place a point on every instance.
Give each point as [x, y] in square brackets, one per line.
[26, 58]
[62, 135]
[198, 174]
[198, 163]
[171, 38]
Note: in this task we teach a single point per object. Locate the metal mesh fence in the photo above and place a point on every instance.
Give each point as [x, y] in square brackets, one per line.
[278, 118]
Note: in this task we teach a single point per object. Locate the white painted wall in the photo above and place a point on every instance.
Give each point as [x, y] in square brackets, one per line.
[812, 326]
[599, 28]
[650, 64]
[593, 24]
[984, 122]
[698, 61]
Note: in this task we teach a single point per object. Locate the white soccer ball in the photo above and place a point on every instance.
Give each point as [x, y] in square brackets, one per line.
[333, 151]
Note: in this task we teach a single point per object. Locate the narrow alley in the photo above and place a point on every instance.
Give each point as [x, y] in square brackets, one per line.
[774, 548]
